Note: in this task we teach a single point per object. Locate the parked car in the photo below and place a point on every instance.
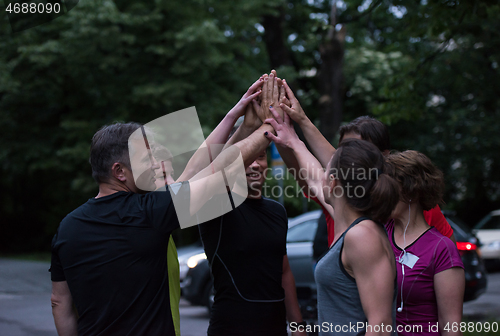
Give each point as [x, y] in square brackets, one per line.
[488, 231]
[196, 283]
[469, 247]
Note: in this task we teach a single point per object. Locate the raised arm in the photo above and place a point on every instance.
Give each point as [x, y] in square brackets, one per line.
[207, 183]
[250, 123]
[321, 148]
[215, 141]
[308, 171]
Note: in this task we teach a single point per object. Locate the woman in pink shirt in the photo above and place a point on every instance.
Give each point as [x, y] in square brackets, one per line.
[430, 271]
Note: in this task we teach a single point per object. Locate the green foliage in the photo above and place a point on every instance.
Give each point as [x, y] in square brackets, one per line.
[428, 68]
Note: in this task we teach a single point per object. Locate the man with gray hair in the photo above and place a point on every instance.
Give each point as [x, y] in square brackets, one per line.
[110, 259]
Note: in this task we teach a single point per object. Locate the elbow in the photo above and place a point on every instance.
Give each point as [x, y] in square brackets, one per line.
[54, 301]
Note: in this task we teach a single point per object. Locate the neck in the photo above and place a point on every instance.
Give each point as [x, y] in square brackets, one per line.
[111, 187]
[343, 216]
[413, 217]
[254, 193]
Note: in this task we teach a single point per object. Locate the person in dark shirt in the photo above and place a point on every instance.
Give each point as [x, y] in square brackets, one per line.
[254, 286]
[110, 256]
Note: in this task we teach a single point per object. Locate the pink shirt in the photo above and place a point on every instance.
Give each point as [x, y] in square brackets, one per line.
[436, 253]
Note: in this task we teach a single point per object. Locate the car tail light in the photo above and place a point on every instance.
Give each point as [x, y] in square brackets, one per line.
[466, 246]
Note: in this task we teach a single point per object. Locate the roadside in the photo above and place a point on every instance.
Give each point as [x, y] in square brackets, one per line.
[25, 302]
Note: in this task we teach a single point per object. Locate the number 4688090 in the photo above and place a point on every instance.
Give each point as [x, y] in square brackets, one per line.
[33, 8]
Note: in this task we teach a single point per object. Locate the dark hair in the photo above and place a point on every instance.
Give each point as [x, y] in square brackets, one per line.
[369, 129]
[110, 145]
[359, 164]
[419, 179]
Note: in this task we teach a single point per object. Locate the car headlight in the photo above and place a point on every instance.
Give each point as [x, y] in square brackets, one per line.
[194, 260]
[494, 245]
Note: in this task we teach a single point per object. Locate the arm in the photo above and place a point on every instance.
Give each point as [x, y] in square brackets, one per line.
[372, 265]
[65, 316]
[250, 123]
[213, 144]
[449, 286]
[207, 183]
[291, 303]
[309, 169]
[321, 148]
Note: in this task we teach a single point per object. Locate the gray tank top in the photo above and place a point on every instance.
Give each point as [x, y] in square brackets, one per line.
[339, 306]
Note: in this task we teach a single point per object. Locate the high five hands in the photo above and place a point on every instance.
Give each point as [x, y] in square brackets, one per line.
[270, 100]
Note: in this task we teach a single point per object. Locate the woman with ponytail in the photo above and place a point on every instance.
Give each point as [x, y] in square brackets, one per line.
[356, 278]
[430, 271]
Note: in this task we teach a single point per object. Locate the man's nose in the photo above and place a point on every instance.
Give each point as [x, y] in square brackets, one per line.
[154, 164]
[254, 166]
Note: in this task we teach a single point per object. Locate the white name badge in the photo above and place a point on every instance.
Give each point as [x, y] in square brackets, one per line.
[408, 259]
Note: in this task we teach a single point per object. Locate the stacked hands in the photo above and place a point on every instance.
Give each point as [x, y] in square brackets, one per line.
[271, 101]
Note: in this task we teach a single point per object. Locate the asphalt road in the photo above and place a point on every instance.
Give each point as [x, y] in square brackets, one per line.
[25, 302]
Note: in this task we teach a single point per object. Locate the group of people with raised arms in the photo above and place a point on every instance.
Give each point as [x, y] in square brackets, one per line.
[391, 260]
[390, 265]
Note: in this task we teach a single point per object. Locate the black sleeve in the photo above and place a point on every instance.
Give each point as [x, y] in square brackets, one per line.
[161, 210]
[56, 269]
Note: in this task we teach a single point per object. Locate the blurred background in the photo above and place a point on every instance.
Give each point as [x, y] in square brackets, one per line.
[428, 69]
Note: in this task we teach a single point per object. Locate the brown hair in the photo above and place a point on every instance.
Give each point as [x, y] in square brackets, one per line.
[359, 165]
[110, 145]
[419, 179]
[369, 129]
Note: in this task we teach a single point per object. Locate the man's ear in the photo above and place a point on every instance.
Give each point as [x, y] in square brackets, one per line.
[117, 171]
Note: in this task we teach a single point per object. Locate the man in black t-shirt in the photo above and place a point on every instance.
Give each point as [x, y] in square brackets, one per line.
[110, 256]
[254, 287]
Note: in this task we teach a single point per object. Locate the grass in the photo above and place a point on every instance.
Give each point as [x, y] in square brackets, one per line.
[34, 256]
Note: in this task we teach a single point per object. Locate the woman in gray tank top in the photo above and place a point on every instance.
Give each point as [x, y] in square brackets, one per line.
[356, 279]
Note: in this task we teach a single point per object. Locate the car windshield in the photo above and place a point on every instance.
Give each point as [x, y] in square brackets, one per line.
[489, 223]
[303, 232]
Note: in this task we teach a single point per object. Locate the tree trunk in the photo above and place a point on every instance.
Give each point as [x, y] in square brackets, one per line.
[275, 41]
[330, 77]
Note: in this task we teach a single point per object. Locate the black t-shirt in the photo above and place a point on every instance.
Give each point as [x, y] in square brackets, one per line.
[112, 251]
[245, 249]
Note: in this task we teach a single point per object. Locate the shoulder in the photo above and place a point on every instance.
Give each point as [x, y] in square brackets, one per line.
[274, 205]
[443, 246]
[366, 238]
[445, 252]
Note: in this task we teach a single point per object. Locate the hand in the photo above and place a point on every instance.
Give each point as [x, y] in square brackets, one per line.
[285, 133]
[251, 120]
[270, 97]
[253, 92]
[294, 110]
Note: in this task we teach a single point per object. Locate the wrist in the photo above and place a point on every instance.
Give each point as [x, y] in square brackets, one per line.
[267, 128]
[304, 121]
[251, 126]
[231, 117]
[297, 144]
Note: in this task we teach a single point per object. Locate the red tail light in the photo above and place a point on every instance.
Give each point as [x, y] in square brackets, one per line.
[466, 246]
